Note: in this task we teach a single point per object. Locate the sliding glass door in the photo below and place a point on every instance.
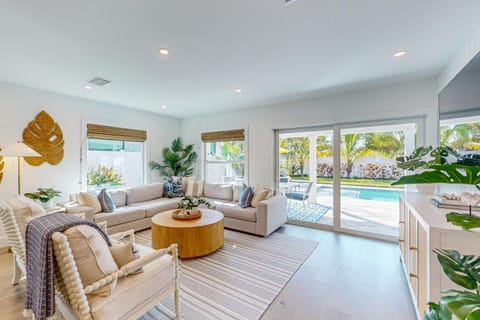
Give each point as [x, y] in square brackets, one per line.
[340, 178]
[305, 160]
[368, 201]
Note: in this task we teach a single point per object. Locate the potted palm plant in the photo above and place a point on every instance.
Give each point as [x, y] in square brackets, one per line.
[178, 160]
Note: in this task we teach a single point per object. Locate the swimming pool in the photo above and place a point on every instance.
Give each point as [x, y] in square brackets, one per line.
[377, 194]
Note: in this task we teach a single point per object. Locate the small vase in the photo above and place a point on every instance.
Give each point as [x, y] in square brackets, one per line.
[47, 205]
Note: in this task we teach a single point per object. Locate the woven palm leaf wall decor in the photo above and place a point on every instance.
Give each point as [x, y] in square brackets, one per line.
[45, 136]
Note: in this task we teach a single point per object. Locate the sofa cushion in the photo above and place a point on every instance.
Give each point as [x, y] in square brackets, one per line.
[134, 291]
[92, 257]
[153, 207]
[259, 194]
[232, 210]
[106, 201]
[218, 191]
[24, 208]
[144, 193]
[246, 196]
[173, 187]
[119, 197]
[90, 200]
[237, 190]
[121, 215]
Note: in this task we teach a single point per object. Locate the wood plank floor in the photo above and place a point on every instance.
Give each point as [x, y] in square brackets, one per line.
[345, 278]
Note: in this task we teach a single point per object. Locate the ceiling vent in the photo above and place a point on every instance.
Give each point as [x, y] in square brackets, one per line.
[287, 2]
[99, 81]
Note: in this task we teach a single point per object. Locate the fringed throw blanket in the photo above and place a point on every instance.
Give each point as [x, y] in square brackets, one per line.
[40, 295]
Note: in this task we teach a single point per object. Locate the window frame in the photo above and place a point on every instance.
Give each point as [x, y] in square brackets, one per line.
[82, 181]
[245, 161]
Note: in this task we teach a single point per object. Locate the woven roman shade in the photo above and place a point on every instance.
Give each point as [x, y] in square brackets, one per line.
[96, 131]
[228, 135]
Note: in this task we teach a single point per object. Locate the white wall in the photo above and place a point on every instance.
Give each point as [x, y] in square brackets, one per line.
[390, 102]
[19, 105]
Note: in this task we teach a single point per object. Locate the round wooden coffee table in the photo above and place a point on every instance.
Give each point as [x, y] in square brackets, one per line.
[195, 238]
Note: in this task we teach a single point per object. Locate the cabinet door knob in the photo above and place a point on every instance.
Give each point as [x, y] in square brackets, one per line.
[412, 275]
[413, 249]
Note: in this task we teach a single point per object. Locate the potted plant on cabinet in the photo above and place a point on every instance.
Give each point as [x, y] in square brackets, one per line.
[44, 196]
[462, 270]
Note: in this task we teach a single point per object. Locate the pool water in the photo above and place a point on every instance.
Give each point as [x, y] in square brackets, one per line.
[389, 195]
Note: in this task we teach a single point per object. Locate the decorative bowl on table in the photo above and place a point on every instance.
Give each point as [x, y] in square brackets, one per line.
[186, 214]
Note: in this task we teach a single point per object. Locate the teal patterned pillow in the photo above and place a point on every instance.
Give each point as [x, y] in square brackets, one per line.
[173, 187]
[106, 201]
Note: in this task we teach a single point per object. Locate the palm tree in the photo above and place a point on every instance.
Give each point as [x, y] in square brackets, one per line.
[460, 136]
[300, 150]
[324, 147]
[177, 160]
[351, 149]
[387, 144]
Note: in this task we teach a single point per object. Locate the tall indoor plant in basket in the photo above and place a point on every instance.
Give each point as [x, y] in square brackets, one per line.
[178, 160]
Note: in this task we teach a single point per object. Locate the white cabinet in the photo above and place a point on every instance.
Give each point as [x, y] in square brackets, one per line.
[423, 227]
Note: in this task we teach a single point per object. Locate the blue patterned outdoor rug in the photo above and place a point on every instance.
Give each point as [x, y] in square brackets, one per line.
[312, 212]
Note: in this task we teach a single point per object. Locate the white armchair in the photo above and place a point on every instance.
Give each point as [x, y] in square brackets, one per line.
[134, 295]
[15, 241]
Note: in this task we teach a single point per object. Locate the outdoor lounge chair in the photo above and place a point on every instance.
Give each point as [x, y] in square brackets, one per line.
[299, 195]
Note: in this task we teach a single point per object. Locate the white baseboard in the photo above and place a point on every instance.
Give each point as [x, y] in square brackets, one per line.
[3, 242]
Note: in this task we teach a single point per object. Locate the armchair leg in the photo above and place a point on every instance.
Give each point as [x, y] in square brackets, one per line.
[17, 272]
[176, 280]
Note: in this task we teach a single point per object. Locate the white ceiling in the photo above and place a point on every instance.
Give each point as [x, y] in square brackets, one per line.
[273, 52]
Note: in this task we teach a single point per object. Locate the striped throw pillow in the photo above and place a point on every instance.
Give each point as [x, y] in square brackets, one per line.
[106, 201]
[246, 196]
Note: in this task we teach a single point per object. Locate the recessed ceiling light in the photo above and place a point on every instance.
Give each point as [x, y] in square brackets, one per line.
[164, 107]
[87, 87]
[399, 53]
[163, 51]
[238, 90]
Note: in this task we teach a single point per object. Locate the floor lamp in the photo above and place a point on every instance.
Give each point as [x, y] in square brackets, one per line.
[19, 150]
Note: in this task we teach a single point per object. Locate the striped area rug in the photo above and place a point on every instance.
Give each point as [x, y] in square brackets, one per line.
[237, 282]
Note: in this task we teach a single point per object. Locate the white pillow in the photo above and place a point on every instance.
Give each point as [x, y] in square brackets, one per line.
[24, 208]
[190, 188]
[237, 190]
[199, 191]
[88, 199]
[92, 256]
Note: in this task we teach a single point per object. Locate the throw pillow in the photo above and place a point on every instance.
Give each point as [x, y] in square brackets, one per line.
[124, 251]
[173, 186]
[106, 201]
[260, 194]
[92, 257]
[237, 190]
[190, 190]
[246, 197]
[90, 200]
[24, 208]
[198, 192]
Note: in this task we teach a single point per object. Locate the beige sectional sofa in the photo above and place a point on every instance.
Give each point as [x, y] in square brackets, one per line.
[136, 207]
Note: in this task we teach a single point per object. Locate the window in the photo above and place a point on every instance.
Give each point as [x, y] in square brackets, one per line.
[224, 156]
[115, 157]
[461, 134]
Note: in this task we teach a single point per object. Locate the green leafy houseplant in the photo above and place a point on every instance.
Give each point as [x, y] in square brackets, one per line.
[189, 203]
[462, 270]
[178, 160]
[465, 272]
[44, 195]
[103, 176]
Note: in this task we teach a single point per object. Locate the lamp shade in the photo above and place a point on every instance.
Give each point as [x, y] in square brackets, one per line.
[18, 149]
